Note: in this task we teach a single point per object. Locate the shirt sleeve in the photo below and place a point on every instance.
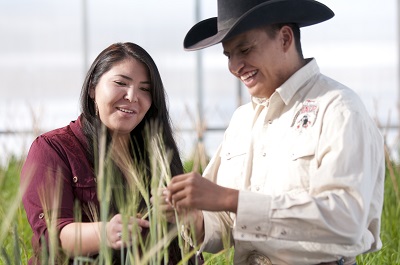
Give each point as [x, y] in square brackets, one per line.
[217, 232]
[217, 225]
[343, 202]
[47, 179]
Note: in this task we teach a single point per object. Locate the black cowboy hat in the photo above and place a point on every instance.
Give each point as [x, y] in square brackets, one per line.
[238, 16]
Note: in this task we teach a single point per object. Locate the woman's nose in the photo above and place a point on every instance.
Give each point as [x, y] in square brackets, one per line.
[131, 95]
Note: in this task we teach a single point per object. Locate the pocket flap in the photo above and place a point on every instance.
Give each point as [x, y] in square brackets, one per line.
[304, 146]
[232, 152]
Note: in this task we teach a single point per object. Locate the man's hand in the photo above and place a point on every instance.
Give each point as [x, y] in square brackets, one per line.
[192, 191]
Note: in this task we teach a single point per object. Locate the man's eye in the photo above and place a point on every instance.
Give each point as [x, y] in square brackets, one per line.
[245, 51]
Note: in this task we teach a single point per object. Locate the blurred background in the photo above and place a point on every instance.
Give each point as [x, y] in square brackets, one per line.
[46, 47]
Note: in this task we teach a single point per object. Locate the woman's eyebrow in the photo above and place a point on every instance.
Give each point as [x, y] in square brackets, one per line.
[131, 79]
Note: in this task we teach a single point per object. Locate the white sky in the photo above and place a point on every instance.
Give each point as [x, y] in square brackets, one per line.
[42, 66]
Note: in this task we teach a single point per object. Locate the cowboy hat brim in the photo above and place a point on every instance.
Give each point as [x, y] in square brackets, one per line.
[302, 12]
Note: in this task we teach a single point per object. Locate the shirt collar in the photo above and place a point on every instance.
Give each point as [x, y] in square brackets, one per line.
[76, 127]
[297, 81]
[259, 101]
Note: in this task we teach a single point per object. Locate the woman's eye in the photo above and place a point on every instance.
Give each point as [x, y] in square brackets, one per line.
[145, 89]
[119, 83]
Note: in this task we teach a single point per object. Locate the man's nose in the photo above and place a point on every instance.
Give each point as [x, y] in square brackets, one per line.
[236, 65]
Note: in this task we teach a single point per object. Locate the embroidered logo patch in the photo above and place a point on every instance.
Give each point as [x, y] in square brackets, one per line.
[307, 115]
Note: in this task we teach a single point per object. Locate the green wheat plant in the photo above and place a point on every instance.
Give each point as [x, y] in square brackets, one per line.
[390, 228]
[15, 232]
[153, 247]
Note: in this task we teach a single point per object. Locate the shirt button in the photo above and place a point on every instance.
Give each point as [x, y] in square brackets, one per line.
[257, 188]
[264, 154]
[244, 227]
[75, 179]
[258, 228]
[283, 232]
[41, 215]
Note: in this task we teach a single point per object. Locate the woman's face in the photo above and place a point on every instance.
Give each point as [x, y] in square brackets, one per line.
[123, 96]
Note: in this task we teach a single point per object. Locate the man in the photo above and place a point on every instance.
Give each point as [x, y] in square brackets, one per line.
[298, 178]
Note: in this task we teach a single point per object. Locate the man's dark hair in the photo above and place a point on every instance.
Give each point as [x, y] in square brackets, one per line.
[274, 28]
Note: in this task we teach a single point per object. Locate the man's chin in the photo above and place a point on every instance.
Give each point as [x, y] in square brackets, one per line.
[255, 93]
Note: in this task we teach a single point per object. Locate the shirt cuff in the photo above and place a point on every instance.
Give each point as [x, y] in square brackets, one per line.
[253, 216]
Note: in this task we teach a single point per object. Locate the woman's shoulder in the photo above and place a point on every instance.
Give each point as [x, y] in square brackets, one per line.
[61, 137]
[64, 132]
[59, 132]
[59, 144]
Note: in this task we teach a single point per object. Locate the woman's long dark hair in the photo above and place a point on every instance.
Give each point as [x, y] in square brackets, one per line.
[158, 111]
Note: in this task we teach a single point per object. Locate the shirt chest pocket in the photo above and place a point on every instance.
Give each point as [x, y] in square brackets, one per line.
[302, 151]
[303, 163]
[84, 188]
[232, 166]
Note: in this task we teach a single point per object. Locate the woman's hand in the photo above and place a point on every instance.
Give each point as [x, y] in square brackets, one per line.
[185, 215]
[88, 235]
[190, 218]
[117, 238]
[164, 205]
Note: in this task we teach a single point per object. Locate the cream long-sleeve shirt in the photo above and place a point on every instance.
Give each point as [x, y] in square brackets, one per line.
[309, 164]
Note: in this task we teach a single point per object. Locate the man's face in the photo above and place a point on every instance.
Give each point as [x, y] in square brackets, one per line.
[257, 60]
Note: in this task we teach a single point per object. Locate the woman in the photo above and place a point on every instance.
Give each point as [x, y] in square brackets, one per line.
[123, 92]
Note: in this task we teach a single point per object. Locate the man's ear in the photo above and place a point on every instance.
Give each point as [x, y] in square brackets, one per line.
[286, 35]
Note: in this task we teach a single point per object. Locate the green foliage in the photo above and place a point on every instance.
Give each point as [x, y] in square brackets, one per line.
[390, 232]
[9, 181]
[15, 230]
[188, 166]
[18, 233]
